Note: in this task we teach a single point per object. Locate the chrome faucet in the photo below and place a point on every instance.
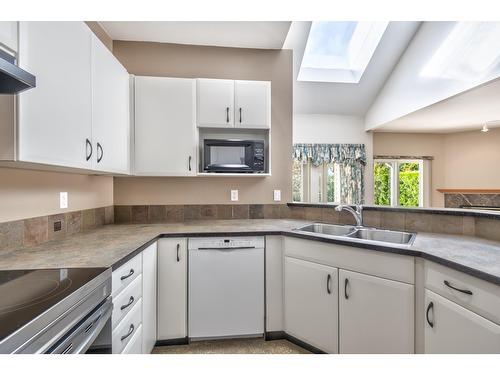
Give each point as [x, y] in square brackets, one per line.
[358, 213]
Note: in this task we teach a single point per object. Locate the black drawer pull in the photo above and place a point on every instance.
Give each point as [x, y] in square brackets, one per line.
[431, 306]
[465, 291]
[328, 282]
[178, 248]
[130, 330]
[127, 276]
[346, 283]
[130, 301]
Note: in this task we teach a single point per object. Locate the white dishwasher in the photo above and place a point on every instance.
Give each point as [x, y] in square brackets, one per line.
[226, 287]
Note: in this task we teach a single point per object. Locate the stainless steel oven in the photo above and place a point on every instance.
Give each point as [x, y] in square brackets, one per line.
[234, 155]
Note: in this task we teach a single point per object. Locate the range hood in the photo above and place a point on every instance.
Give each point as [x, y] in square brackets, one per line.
[12, 78]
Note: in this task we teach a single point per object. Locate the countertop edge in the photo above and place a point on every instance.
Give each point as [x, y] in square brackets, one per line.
[406, 251]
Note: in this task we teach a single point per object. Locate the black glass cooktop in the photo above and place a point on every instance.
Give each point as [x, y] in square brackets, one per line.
[26, 294]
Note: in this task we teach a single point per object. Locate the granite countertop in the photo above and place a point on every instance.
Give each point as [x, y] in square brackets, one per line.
[112, 245]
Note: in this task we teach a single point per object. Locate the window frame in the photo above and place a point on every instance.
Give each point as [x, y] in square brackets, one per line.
[423, 181]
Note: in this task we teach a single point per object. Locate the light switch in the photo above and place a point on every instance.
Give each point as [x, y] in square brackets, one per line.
[234, 195]
[63, 199]
[277, 195]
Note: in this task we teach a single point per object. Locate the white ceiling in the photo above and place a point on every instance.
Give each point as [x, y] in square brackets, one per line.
[245, 34]
[347, 98]
[465, 111]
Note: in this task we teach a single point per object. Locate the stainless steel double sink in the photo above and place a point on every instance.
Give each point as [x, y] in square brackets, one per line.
[361, 234]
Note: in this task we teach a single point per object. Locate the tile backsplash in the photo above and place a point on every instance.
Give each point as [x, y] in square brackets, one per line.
[37, 230]
[34, 231]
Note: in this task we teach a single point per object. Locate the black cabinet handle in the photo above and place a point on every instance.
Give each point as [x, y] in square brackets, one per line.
[346, 283]
[130, 301]
[99, 148]
[240, 115]
[178, 248]
[328, 282]
[130, 330]
[127, 276]
[87, 145]
[189, 163]
[227, 115]
[465, 291]
[431, 306]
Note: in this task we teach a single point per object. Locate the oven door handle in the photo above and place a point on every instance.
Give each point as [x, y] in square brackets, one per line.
[87, 332]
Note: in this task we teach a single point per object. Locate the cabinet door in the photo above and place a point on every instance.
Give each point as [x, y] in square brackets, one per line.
[252, 104]
[149, 272]
[55, 117]
[110, 111]
[457, 330]
[376, 315]
[172, 288]
[215, 103]
[311, 303]
[165, 126]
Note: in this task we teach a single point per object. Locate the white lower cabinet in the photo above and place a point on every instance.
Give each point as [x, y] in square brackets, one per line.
[134, 346]
[376, 315]
[311, 303]
[126, 329]
[172, 288]
[451, 328]
[149, 289]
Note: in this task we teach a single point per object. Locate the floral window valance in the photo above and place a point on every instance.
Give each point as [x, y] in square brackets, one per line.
[350, 157]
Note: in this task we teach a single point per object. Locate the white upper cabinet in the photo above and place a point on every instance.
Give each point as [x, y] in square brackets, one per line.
[311, 303]
[252, 104]
[8, 34]
[165, 139]
[451, 328]
[55, 118]
[375, 315]
[110, 111]
[226, 104]
[215, 103]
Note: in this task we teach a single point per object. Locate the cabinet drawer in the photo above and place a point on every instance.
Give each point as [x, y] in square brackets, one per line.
[371, 262]
[134, 346]
[127, 273]
[475, 294]
[126, 300]
[124, 332]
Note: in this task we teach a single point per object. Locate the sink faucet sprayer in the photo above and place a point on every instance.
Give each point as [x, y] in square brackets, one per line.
[358, 213]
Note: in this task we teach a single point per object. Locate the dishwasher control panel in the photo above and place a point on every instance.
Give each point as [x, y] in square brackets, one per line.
[207, 243]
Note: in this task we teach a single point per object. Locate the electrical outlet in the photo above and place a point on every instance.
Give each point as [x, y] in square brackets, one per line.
[234, 195]
[57, 226]
[63, 199]
[277, 195]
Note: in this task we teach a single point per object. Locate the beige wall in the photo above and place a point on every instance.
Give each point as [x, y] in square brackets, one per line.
[466, 160]
[171, 60]
[27, 193]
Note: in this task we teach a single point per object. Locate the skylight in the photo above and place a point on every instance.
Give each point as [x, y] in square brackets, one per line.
[339, 51]
[468, 53]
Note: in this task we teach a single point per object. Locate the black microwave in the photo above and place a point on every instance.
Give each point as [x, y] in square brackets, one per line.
[233, 156]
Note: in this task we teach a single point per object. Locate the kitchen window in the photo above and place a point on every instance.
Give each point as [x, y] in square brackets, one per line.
[328, 173]
[401, 182]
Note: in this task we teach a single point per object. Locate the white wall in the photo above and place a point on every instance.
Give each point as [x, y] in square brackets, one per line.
[407, 90]
[337, 129]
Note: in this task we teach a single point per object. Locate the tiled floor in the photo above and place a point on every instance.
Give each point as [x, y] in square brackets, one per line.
[236, 346]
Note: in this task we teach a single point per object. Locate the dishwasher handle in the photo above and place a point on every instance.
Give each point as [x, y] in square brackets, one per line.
[227, 248]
